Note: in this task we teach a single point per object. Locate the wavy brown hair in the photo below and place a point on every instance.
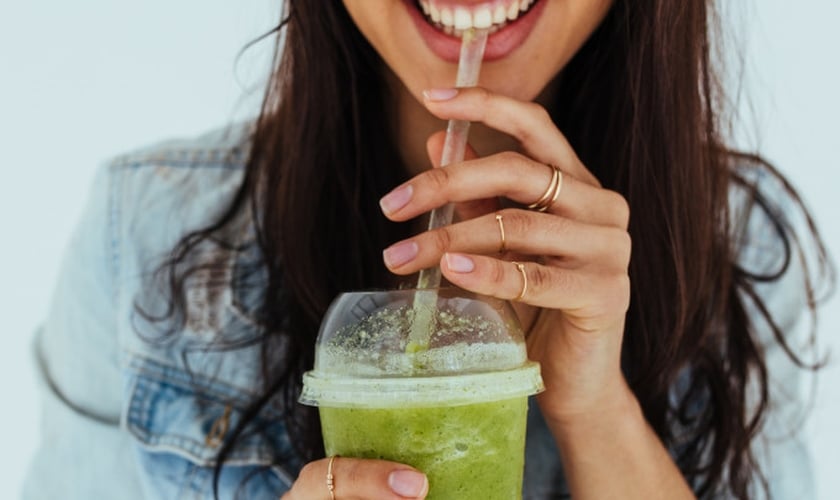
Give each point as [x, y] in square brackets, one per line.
[641, 104]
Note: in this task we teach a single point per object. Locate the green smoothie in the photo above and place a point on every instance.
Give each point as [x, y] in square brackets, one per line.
[456, 409]
[468, 452]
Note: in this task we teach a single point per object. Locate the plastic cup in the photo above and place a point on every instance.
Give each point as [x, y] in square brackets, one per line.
[456, 411]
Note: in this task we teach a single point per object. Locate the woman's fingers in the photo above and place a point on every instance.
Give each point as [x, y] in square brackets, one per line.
[528, 122]
[584, 294]
[517, 231]
[466, 209]
[509, 175]
[359, 479]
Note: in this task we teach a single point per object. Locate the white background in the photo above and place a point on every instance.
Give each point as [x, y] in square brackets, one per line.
[83, 80]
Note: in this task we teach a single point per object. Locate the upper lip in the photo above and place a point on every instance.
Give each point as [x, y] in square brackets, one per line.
[461, 16]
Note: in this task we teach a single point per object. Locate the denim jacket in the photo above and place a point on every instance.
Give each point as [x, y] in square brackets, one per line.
[129, 412]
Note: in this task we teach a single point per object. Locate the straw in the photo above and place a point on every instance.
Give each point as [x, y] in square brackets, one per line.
[473, 42]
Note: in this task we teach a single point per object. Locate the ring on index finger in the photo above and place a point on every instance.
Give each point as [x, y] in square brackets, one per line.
[551, 193]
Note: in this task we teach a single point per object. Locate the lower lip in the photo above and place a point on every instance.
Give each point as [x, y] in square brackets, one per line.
[499, 45]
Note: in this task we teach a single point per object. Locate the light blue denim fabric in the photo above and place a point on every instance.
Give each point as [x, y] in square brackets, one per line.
[127, 410]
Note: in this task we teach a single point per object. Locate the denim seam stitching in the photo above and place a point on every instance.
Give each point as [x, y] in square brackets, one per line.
[219, 389]
[114, 215]
[233, 158]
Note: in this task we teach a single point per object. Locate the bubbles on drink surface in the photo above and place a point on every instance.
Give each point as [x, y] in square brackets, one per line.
[462, 341]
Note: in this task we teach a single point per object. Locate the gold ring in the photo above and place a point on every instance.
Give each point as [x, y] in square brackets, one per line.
[551, 193]
[503, 245]
[521, 268]
[556, 189]
[330, 478]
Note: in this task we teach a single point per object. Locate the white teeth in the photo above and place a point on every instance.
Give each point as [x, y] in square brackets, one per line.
[463, 19]
[446, 17]
[435, 13]
[499, 16]
[513, 10]
[482, 18]
[425, 5]
[455, 19]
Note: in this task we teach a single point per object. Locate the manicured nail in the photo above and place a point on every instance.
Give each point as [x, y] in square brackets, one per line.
[439, 94]
[396, 199]
[399, 254]
[459, 263]
[408, 483]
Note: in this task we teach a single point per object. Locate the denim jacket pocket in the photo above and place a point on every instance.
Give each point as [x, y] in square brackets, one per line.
[180, 422]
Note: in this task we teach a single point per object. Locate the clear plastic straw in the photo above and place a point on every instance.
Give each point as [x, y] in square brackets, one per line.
[473, 42]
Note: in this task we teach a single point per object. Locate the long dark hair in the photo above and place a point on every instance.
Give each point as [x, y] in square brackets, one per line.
[640, 103]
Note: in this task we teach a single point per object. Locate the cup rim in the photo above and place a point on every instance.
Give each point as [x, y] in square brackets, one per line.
[327, 390]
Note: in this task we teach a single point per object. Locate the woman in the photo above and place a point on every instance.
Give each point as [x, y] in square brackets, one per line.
[663, 281]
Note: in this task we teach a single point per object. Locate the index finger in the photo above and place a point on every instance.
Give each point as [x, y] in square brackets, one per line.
[528, 122]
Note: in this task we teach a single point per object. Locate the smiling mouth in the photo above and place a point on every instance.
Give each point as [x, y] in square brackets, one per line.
[454, 19]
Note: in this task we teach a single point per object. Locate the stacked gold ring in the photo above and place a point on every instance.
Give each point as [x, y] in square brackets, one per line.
[551, 194]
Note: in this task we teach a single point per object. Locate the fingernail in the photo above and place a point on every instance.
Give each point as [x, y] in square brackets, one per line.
[396, 199]
[439, 94]
[459, 263]
[408, 483]
[399, 254]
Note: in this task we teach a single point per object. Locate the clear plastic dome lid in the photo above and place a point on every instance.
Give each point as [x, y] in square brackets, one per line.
[367, 354]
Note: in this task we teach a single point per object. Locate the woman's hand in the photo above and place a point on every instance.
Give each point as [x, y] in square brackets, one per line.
[575, 255]
[359, 479]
